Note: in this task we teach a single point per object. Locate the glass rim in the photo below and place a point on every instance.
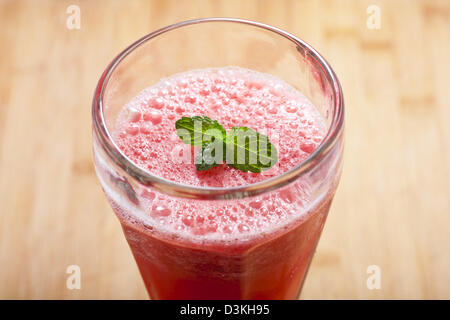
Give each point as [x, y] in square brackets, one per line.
[187, 191]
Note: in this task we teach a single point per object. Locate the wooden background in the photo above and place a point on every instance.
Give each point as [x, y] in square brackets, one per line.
[392, 207]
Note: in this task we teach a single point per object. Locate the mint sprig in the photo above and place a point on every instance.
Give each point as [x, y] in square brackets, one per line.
[199, 130]
[251, 150]
[206, 158]
[242, 148]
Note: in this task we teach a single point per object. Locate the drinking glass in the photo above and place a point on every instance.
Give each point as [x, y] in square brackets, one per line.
[173, 266]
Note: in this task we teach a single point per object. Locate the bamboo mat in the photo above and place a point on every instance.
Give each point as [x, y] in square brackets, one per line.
[391, 209]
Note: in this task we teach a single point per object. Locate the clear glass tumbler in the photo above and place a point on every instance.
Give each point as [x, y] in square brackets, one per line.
[271, 266]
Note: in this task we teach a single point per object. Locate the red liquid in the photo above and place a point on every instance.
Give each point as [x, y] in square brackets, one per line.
[267, 269]
[251, 248]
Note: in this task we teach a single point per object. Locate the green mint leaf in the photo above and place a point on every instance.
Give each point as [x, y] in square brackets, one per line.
[206, 156]
[249, 150]
[242, 148]
[198, 130]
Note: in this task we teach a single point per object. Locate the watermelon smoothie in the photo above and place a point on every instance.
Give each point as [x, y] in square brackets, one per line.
[253, 249]
[220, 233]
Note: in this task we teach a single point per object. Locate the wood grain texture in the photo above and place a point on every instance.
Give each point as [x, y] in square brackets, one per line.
[392, 206]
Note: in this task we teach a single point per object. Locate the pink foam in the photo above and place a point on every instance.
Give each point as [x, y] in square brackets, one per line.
[145, 131]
